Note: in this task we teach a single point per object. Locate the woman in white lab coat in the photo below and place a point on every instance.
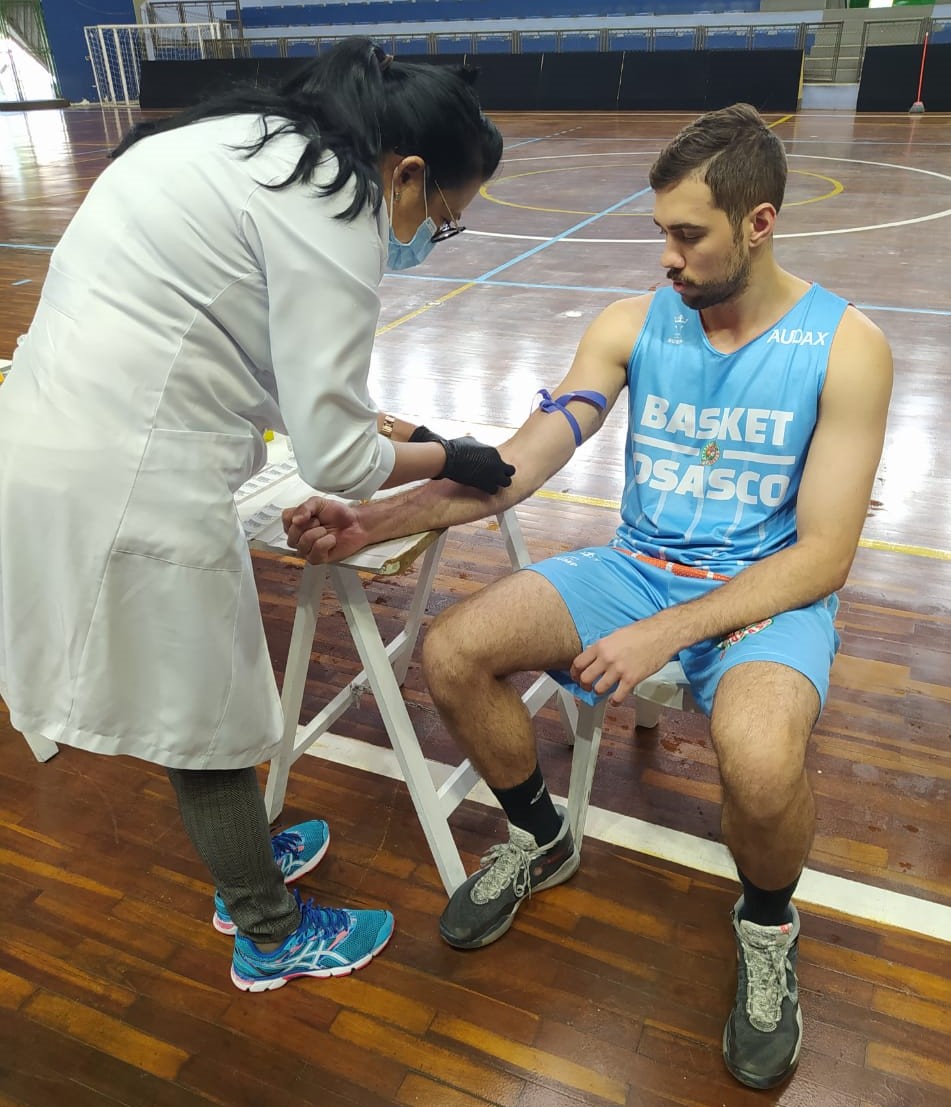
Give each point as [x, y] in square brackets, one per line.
[220, 278]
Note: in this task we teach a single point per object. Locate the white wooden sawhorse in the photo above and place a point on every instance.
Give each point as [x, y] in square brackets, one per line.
[384, 669]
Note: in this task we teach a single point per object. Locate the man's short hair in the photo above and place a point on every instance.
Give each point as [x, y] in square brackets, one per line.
[734, 153]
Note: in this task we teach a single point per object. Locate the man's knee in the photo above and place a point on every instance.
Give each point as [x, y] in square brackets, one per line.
[763, 715]
[450, 656]
[762, 784]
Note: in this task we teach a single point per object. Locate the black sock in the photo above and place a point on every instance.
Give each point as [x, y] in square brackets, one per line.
[528, 806]
[766, 908]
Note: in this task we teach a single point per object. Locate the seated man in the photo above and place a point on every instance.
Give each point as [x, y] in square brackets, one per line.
[757, 405]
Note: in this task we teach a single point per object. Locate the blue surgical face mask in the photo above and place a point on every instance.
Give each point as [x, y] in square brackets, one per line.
[404, 255]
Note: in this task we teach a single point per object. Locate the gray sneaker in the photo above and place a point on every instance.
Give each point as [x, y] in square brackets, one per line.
[483, 908]
[763, 1034]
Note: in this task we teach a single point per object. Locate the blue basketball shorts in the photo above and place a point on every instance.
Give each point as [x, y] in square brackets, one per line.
[606, 588]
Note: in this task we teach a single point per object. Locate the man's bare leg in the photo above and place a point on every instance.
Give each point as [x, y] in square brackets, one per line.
[518, 624]
[763, 715]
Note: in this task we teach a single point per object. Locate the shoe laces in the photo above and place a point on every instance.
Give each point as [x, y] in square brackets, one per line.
[767, 981]
[321, 922]
[288, 841]
[508, 864]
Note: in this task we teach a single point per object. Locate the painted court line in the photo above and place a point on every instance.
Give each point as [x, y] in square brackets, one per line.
[541, 138]
[507, 265]
[833, 893]
[621, 291]
[26, 246]
[864, 543]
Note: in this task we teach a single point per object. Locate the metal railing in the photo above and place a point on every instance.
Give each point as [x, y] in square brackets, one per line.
[746, 36]
[116, 51]
[191, 11]
[897, 32]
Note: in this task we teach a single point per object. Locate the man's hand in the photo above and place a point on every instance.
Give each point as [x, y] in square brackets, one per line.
[624, 658]
[323, 530]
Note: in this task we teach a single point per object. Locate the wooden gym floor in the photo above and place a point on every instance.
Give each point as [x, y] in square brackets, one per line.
[613, 988]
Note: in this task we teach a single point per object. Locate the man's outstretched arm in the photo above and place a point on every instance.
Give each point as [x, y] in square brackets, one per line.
[326, 531]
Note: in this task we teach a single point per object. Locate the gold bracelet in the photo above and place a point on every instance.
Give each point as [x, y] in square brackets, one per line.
[387, 429]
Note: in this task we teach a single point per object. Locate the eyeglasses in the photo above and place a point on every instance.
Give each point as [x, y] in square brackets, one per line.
[451, 227]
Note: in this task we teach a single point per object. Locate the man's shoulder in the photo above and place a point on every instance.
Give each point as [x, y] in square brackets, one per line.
[860, 361]
[856, 332]
[623, 320]
[632, 310]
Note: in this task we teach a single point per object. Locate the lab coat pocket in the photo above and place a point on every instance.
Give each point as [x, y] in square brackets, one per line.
[158, 669]
[181, 507]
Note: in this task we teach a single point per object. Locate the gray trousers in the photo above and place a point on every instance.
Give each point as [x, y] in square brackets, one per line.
[224, 815]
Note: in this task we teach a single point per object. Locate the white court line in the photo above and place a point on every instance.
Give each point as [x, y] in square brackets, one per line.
[795, 234]
[835, 893]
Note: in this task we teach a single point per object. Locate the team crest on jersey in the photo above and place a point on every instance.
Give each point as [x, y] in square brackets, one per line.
[739, 635]
[677, 338]
[710, 454]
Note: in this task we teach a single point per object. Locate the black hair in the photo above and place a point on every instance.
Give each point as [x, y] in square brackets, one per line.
[734, 153]
[359, 103]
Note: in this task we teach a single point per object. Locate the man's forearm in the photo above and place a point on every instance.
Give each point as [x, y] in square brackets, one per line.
[444, 503]
[792, 578]
[434, 506]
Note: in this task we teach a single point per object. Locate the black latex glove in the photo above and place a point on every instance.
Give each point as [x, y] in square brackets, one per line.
[469, 461]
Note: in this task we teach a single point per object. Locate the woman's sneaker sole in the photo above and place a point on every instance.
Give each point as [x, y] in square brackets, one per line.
[270, 985]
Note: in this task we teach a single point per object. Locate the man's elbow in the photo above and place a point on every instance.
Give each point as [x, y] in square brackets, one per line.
[839, 578]
[838, 566]
[831, 564]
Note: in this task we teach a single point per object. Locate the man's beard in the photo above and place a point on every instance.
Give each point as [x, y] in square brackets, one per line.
[707, 294]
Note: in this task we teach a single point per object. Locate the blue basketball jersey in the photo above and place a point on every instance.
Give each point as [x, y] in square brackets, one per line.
[717, 442]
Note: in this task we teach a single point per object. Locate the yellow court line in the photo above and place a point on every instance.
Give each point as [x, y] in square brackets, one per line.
[419, 311]
[914, 551]
[571, 498]
[487, 195]
[837, 187]
[484, 192]
[865, 543]
[783, 119]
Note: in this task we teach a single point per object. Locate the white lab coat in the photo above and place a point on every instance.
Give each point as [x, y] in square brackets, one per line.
[187, 308]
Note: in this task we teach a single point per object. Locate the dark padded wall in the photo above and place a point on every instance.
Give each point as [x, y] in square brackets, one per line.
[700, 80]
[164, 85]
[579, 82]
[686, 80]
[890, 78]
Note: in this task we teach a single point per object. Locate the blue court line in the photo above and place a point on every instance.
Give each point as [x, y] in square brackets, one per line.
[526, 142]
[908, 311]
[618, 291]
[518, 284]
[486, 277]
[24, 246]
[558, 237]
[541, 138]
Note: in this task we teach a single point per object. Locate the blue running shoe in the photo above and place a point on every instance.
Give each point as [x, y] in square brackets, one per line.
[297, 850]
[328, 942]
